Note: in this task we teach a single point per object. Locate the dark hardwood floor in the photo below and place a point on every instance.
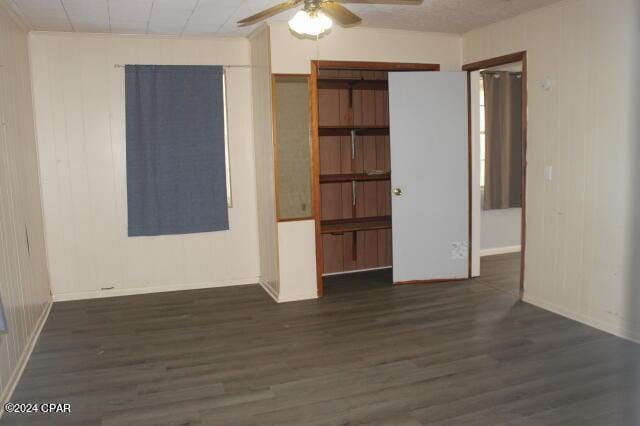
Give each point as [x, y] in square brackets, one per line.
[501, 272]
[368, 353]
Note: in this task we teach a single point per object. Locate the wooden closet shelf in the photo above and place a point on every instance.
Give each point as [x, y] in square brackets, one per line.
[348, 177]
[349, 83]
[346, 130]
[338, 226]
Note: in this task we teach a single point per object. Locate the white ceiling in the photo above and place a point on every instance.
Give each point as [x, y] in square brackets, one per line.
[219, 17]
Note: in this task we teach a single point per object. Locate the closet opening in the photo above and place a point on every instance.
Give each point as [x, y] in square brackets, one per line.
[497, 116]
[351, 171]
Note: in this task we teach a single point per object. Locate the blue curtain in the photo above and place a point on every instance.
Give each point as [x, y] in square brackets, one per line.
[176, 178]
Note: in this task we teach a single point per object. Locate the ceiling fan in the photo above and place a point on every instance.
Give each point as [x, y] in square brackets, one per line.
[315, 16]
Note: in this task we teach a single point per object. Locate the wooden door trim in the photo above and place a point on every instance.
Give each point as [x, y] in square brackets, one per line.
[494, 62]
[315, 171]
[489, 63]
[316, 65]
[376, 66]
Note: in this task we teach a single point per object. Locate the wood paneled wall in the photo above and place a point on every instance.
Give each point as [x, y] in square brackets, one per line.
[372, 198]
[24, 280]
[582, 245]
[291, 54]
[263, 157]
[80, 115]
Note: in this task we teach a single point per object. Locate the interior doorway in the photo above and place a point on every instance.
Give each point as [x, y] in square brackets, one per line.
[352, 170]
[497, 142]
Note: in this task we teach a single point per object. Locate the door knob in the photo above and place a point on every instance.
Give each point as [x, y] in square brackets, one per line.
[397, 192]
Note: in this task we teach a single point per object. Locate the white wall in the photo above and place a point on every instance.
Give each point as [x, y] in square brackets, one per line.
[290, 54]
[500, 230]
[296, 248]
[24, 282]
[580, 226]
[79, 106]
[262, 134]
[293, 55]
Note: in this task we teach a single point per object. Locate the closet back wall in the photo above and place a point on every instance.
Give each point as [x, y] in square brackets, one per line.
[79, 108]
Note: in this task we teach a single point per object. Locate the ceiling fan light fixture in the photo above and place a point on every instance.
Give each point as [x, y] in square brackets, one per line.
[310, 23]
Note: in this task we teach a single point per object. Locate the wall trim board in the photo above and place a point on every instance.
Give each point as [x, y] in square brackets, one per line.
[296, 298]
[500, 250]
[357, 270]
[116, 292]
[269, 290]
[26, 355]
[284, 299]
[607, 327]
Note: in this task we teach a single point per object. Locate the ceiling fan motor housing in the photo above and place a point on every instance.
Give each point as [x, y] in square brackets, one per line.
[311, 6]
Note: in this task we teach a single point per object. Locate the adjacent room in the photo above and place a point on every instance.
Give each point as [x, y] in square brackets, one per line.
[259, 212]
[498, 118]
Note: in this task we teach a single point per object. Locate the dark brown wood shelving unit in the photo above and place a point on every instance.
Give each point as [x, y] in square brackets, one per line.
[351, 139]
[354, 173]
[345, 130]
[358, 177]
[353, 84]
[338, 226]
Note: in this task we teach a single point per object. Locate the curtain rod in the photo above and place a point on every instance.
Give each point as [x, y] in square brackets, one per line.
[223, 66]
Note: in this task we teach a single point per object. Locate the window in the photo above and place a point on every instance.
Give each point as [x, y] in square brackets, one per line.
[500, 128]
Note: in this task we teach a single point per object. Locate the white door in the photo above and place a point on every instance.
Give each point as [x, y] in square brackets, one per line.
[430, 175]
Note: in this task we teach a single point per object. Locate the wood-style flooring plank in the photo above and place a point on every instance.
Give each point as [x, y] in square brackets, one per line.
[454, 353]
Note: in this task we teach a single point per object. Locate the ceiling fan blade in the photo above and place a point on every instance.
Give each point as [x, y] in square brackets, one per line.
[340, 13]
[400, 2]
[269, 12]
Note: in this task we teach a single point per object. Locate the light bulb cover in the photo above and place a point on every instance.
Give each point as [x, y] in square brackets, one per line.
[313, 24]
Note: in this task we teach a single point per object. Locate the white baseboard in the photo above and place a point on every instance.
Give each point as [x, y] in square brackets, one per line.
[615, 329]
[280, 298]
[296, 297]
[499, 250]
[270, 290]
[356, 270]
[24, 358]
[61, 297]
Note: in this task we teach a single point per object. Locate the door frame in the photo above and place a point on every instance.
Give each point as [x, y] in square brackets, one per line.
[316, 65]
[477, 66]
